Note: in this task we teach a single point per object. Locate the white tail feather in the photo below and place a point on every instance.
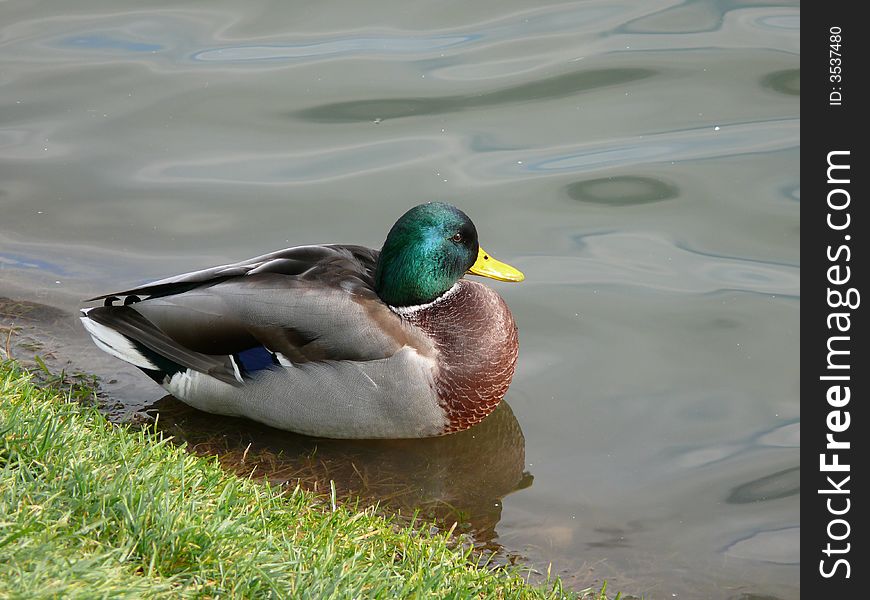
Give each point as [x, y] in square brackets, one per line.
[116, 344]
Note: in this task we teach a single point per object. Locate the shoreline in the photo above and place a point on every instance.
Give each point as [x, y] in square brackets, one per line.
[94, 507]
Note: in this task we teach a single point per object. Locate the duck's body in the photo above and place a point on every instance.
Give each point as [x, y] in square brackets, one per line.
[302, 340]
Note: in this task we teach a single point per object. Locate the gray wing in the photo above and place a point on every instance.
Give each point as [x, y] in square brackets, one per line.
[300, 261]
[310, 303]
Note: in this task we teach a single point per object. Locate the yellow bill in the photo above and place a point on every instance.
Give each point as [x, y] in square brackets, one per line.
[487, 266]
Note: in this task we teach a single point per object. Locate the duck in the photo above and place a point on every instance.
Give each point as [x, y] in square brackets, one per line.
[332, 340]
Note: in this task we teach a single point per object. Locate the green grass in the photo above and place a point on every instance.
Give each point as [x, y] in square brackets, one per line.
[89, 509]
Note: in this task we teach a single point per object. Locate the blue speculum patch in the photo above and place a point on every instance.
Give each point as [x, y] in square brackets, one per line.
[255, 359]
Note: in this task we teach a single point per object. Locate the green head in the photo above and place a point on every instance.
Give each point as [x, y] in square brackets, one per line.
[427, 251]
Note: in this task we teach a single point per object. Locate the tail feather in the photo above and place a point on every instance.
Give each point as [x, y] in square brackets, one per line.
[112, 342]
[125, 333]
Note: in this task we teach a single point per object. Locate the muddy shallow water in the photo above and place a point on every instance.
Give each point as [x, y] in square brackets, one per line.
[637, 160]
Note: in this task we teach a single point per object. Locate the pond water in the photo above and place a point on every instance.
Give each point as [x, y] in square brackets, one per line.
[637, 160]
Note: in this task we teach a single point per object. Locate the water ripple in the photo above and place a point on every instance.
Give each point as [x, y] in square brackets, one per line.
[688, 144]
[622, 190]
[101, 41]
[353, 46]
[775, 546]
[781, 484]
[288, 168]
[787, 81]
[519, 26]
[549, 88]
[594, 28]
[648, 260]
[16, 261]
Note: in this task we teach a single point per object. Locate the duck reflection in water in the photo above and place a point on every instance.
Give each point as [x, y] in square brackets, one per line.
[459, 478]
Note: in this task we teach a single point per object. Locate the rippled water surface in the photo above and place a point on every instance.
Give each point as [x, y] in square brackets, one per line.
[637, 160]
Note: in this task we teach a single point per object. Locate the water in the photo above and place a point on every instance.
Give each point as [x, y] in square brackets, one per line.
[637, 160]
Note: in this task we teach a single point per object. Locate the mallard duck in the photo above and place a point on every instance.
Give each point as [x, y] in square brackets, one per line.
[333, 340]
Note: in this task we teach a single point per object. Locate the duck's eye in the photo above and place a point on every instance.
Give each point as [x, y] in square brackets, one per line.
[457, 237]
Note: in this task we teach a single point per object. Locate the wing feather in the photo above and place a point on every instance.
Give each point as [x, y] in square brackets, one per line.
[308, 303]
[357, 261]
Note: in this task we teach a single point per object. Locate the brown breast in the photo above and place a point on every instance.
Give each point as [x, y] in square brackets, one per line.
[476, 338]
